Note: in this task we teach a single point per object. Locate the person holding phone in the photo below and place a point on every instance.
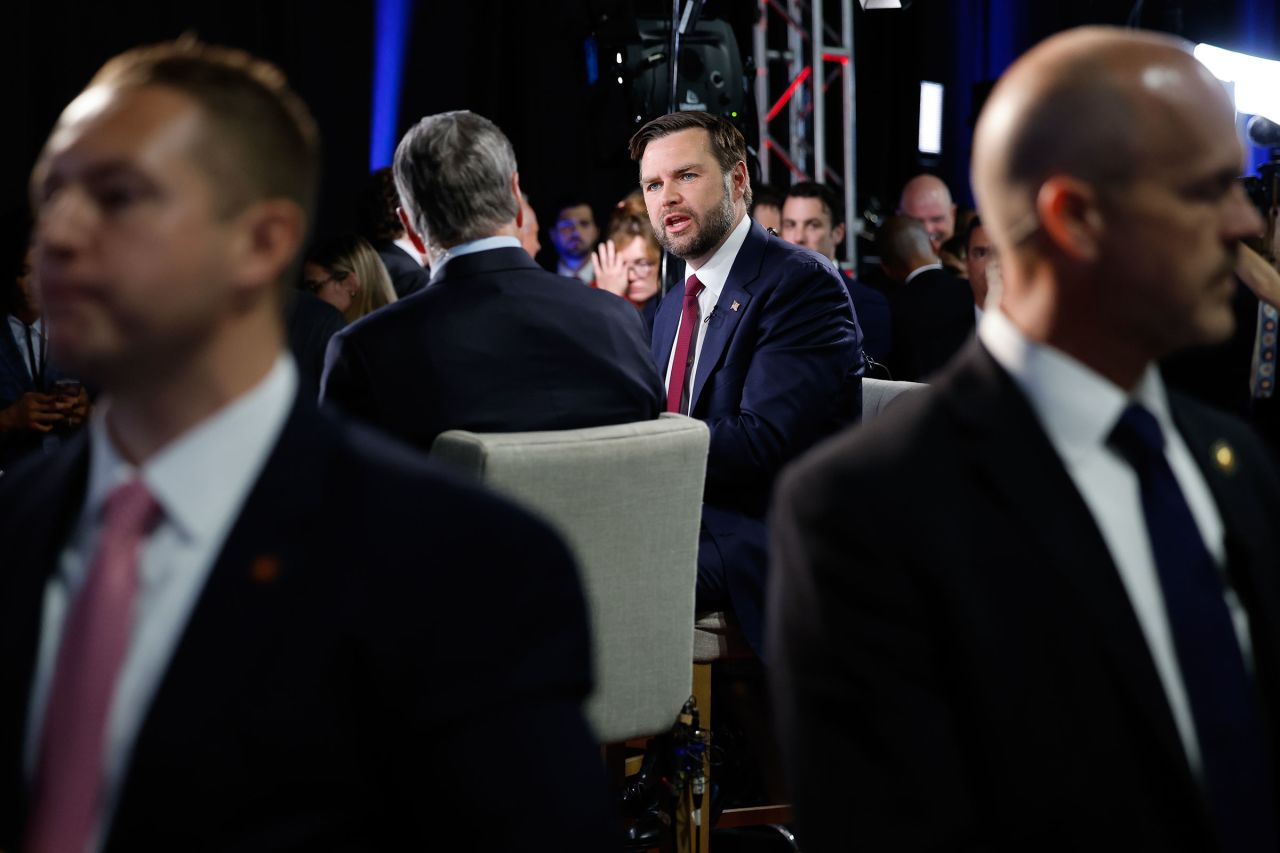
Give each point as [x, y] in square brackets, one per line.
[38, 403]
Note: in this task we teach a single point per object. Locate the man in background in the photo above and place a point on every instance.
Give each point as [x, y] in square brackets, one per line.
[574, 235]
[495, 344]
[813, 217]
[931, 308]
[385, 232]
[926, 199]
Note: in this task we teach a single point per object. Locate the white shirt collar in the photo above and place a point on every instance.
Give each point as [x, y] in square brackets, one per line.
[915, 272]
[471, 247]
[20, 328]
[1076, 405]
[409, 249]
[715, 272]
[202, 476]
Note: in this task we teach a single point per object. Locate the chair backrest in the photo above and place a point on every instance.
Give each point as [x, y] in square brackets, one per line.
[879, 394]
[627, 500]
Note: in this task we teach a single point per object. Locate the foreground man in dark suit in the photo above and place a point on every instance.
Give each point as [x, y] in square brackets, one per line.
[1056, 629]
[228, 622]
[494, 343]
[760, 341]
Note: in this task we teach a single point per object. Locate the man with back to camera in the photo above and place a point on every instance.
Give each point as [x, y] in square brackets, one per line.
[384, 230]
[1071, 638]
[495, 344]
[227, 621]
[813, 217]
[930, 308]
[760, 341]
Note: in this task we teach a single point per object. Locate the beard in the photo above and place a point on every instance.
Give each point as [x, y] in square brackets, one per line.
[709, 229]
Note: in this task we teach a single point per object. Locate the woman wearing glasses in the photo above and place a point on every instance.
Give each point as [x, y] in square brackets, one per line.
[627, 264]
[347, 273]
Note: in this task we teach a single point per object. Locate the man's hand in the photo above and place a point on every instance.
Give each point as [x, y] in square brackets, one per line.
[33, 411]
[76, 409]
[611, 271]
[1259, 276]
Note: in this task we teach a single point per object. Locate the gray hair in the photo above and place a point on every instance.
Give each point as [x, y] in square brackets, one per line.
[453, 173]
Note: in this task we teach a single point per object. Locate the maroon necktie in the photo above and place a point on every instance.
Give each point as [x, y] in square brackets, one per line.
[682, 364]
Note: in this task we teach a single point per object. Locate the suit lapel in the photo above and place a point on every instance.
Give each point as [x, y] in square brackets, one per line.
[665, 325]
[12, 362]
[1251, 567]
[240, 605]
[1017, 460]
[37, 535]
[732, 304]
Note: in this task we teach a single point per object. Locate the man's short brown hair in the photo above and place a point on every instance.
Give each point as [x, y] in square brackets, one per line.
[263, 141]
[727, 143]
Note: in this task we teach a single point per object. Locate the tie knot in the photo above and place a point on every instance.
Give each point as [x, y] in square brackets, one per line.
[692, 289]
[130, 507]
[1137, 435]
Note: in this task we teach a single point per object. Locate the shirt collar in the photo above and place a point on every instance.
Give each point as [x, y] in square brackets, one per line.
[408, 248]
[20, 327]
[470, 247]
[1077, 406]
[915, 272]
[202, 476]
[715, 272]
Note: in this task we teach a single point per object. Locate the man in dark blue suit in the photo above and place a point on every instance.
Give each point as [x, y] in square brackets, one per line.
[760, 341]
[813, 217]
[495, 343]
[229, 621]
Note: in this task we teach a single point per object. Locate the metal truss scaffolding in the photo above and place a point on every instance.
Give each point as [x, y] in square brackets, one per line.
[809, 84]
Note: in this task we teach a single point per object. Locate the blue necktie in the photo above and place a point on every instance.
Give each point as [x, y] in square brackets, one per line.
[1224, 705]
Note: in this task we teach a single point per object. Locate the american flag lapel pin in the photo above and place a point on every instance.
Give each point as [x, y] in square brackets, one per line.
[734, 306]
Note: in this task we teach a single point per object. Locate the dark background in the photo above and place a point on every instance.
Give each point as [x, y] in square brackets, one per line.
[522, 63]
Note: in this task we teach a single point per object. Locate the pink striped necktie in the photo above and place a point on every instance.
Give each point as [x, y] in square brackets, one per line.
[69, 781]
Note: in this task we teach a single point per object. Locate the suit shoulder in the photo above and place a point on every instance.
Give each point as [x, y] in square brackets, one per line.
[898, 447]
[789, 265]
[400, 485]
[1204, 423]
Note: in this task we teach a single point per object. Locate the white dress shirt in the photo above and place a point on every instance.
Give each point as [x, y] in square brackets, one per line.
[406, 245]
[713, 275]
[584, 273]
[1078, 408]
[918, 270]
[200, 480]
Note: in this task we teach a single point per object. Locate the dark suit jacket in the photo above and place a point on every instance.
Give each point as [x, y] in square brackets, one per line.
[957, 663]
[1219, 374]
[333, 689]
[407, 275]
[872, 309]
[495, 344]
[780, 368]
[932, 320]
[16, 380]
[309, 323]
